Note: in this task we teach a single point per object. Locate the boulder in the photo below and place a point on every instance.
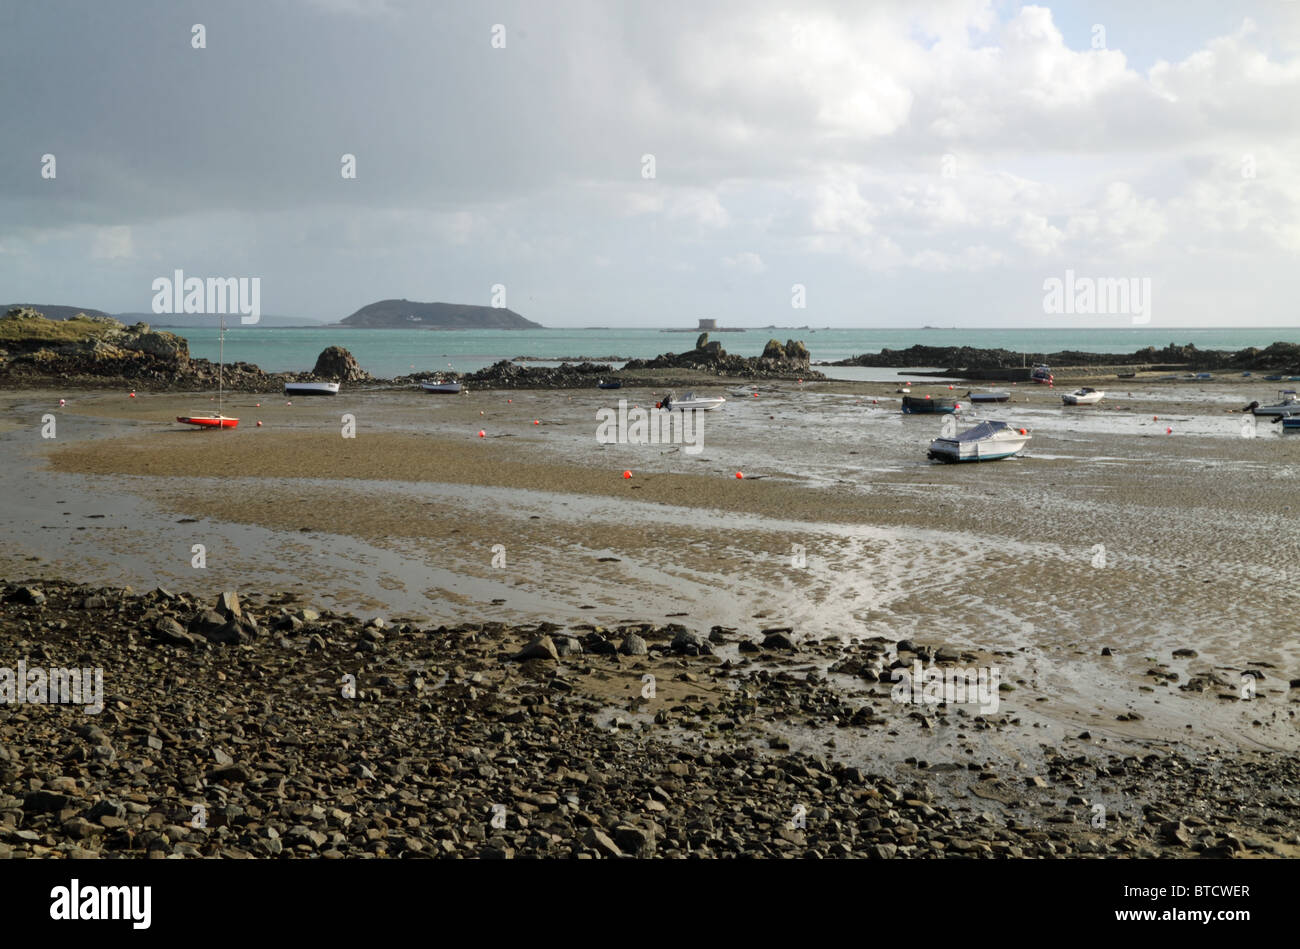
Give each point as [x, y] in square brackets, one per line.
[338, 365]
[633, 645]
[543, 647]
[167, 346]
[27, 596]
[228, 605]
[690, 643]
[169, 631]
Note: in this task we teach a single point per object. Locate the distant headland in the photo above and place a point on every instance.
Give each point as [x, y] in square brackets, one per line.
[385, 314]
[409, 314]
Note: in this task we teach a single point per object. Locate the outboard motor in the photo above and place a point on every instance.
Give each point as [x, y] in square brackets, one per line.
[668, 402]
[1252, 407]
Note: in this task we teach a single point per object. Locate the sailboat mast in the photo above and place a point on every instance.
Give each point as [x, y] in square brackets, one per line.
[221, 368]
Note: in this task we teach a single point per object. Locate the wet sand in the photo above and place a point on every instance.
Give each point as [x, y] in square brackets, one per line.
[1197, 528]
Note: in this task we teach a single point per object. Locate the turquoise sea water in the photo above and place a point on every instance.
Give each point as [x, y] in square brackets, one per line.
[388, 353]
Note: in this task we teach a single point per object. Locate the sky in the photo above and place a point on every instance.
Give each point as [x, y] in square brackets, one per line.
[648, 163]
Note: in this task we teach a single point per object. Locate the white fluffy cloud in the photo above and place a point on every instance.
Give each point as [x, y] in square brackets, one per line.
[920, 146]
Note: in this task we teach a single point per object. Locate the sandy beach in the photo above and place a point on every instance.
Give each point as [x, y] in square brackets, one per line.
[1197, 528]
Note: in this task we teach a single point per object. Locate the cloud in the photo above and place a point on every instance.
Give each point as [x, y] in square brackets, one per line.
[812, 137]
[746, 262]
[112, 243]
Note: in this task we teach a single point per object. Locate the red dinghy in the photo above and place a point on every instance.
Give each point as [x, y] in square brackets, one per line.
[218, 420]
[208, 421]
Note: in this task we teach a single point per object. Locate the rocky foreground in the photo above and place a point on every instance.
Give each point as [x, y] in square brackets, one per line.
[229, 729]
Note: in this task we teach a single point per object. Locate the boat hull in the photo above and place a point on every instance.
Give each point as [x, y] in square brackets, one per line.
[207, 421]
[444, 388]
[1291, 423]
[950, 451]
[950, 458]
[1285, 409]
[311, 388]
[989, 396]
[912, 405]
[696, 405]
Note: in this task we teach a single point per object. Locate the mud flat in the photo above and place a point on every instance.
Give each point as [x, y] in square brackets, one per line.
[1122, 579]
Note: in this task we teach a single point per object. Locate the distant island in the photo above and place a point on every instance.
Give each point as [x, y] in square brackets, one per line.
[386, 314]
[212, 320]
[52, 312]
[409, 314]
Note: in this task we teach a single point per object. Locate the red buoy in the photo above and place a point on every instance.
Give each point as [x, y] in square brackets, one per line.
[740, 474]
[482, 434]
[627, 474]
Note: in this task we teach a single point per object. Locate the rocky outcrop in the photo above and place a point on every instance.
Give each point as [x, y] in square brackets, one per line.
[336, 364]
[1279, 356]
[509, 375]
[776, 362]
[87, 349]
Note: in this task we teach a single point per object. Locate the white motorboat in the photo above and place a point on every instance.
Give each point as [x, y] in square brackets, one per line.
[448, 388]
[311, 388]
[691, 403]
[1084, 396]
[987, 441]
[992, 395]
[1287, 404]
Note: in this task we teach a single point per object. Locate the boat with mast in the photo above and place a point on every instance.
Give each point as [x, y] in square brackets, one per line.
[219, 420]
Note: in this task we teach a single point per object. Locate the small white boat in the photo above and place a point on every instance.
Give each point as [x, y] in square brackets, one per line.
[992, 395]
[450, 388]
[1084, 396]
[311, 388]
[691, 403]
[1287, 404]
[987, 441]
